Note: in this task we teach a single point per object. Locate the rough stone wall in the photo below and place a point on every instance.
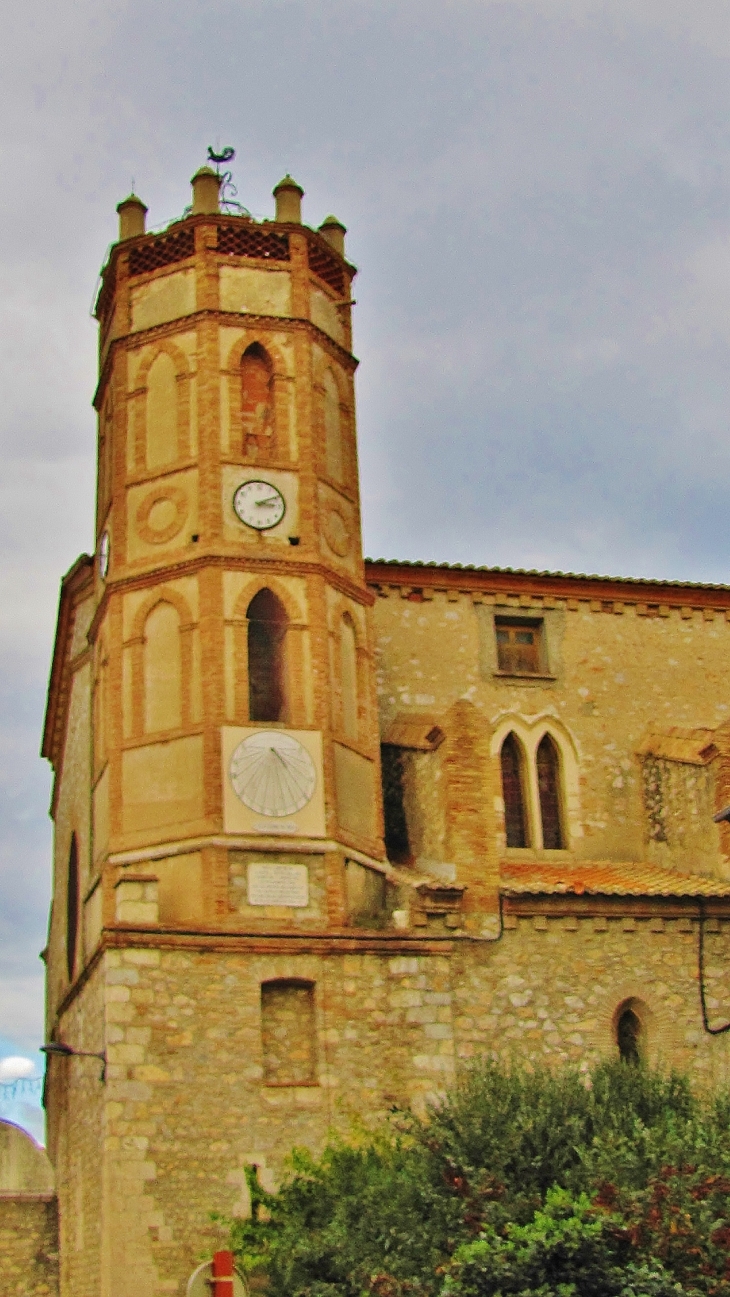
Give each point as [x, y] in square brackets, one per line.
[187, 1104]
[550, 989]
[187, 1101]
[75, 1098]
[28, 1245]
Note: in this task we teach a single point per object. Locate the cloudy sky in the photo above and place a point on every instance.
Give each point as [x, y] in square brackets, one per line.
[537, 194]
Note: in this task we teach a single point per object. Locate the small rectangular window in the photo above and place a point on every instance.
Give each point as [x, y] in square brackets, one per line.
[520, 648]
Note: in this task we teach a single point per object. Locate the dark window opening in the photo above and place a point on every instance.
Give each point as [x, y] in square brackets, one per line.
[72, 908]
[628, 1037]
[548, 782]
[519, 647]
[397, 845]
[515, 819]
[267, 622]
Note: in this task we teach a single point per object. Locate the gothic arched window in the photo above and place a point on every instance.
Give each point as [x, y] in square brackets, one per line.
[348, 677]
[257, 400]
[267, 622]
[72, 907]
[548, 783]
[629, 1032]
[513, 793]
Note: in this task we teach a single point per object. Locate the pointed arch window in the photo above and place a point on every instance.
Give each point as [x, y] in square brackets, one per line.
[513, 793]
[257, 401]
[631, 1031]
[267, 623]
[72, 907]
[548, 783]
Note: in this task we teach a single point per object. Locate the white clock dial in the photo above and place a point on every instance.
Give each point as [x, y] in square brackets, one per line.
[272, 773]
[259, 505]
[104, 552]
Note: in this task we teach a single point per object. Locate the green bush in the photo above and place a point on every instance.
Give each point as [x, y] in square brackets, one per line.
[609, 1185]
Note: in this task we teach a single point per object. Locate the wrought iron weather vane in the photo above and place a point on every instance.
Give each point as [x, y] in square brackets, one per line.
[228, 190]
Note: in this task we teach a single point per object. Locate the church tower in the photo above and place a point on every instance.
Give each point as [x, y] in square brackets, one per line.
[213, 729]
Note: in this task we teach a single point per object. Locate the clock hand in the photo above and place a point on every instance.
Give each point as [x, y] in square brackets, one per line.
[271, 500]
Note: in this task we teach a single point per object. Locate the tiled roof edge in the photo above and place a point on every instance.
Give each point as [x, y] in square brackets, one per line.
[483, 569]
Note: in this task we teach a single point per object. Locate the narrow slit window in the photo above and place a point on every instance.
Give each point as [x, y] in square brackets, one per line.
[267, 623]
[548, 782]
[513, 793]
[519, 647]
[397, 844]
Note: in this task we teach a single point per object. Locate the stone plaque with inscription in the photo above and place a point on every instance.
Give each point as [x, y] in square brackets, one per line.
[278, 884]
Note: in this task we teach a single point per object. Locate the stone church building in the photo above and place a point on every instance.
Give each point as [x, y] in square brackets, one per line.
[326, 828]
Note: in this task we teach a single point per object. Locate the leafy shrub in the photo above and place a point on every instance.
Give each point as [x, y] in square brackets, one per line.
[611, 1185]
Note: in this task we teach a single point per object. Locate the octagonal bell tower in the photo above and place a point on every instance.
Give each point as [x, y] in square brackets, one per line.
[213, 729]
[234, 705]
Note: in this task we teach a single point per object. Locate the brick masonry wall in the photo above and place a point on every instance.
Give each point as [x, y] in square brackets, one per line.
[28, 1245]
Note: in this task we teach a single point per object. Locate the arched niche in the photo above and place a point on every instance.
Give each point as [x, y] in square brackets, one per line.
[348, 677]
[257, 402]
[162, 669]
[334, 456]
[162, 413]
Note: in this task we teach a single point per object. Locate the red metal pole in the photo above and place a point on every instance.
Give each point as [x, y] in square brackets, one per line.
[222, 1274]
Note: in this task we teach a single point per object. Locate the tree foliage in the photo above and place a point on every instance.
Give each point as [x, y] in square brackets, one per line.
[613, 1184]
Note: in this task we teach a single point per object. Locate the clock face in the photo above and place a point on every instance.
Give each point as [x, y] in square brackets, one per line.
[259, 505]
[104, 551]
[272, 773]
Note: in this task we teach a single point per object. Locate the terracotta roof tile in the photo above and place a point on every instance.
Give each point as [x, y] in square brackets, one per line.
[604, 878]
[539, 572]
